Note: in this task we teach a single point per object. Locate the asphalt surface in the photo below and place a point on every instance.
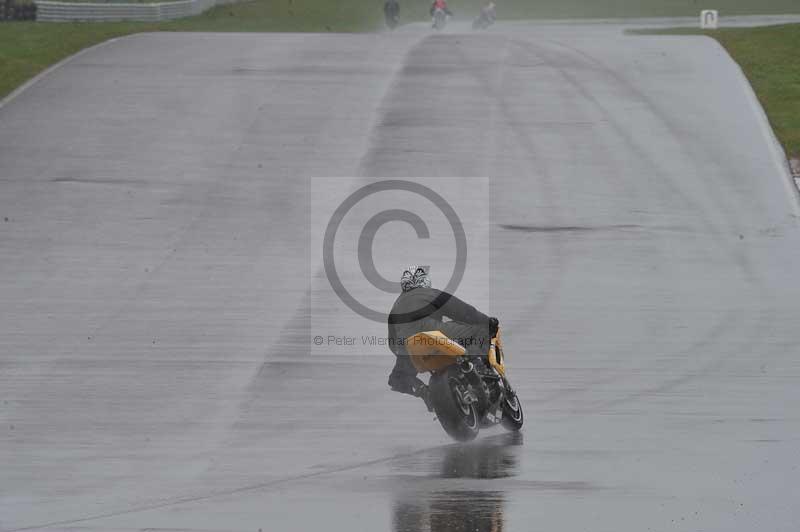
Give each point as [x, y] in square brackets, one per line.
[160, 288]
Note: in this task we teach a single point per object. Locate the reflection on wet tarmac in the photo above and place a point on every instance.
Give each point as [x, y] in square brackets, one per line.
[457, 511]
[429, 508]
[490, 458]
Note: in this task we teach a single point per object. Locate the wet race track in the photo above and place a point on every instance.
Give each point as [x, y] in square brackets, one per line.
[161, 282]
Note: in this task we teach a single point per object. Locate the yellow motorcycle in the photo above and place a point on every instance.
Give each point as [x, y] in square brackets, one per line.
[467, 392]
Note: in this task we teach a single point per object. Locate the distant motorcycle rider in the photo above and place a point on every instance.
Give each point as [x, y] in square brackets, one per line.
[489, 11]
[421, 308]
[487, 16]
[440, 4]
[391, 10]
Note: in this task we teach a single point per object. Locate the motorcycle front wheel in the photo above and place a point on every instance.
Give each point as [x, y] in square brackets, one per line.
[458, 417]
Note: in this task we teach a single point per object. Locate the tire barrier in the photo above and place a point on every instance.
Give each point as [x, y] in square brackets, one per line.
[13, 10]
[106, 12]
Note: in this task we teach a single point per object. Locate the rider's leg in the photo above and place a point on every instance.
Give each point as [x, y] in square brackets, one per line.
[475, 338]
[403, 379]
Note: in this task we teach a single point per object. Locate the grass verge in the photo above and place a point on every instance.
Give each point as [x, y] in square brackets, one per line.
[27, 48]
[769, 58]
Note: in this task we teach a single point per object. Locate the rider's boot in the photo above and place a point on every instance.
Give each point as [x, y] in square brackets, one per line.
[411, 385]
[424, 392]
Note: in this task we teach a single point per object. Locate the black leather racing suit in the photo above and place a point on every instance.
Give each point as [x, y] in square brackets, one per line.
[425, 309]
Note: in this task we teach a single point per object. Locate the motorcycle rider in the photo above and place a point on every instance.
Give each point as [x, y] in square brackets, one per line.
[440, 4]
[391, 10]
[421, 308]
[488, 12]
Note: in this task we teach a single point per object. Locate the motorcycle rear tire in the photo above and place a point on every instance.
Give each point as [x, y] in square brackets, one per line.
[461, 421]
